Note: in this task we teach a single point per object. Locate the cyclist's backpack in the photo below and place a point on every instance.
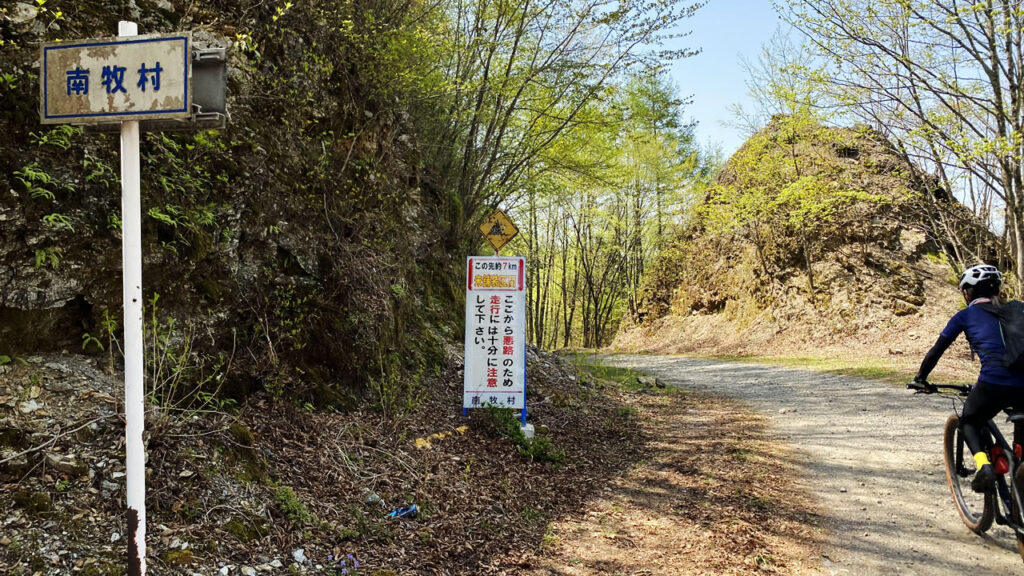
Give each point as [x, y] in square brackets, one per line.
[1011, 325]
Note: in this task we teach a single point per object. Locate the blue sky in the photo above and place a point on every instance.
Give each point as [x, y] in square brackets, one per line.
[724, 30]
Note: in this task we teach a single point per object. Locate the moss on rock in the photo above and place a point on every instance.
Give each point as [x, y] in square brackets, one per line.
[246, 530]
[241, 434]
[33, 502]
[177, 557]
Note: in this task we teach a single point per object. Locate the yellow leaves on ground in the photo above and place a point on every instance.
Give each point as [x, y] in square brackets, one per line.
[425, 443]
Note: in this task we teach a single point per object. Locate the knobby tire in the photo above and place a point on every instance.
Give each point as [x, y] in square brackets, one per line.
[1015, 499]
[960, 470]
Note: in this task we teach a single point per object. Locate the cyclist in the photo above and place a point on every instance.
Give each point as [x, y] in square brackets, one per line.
[997, 387]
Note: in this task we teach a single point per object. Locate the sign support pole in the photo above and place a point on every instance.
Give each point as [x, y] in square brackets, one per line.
[134, 391]
[522, 417]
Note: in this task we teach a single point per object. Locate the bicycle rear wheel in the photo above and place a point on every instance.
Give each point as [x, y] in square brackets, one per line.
[976, 510]
[1015, 499]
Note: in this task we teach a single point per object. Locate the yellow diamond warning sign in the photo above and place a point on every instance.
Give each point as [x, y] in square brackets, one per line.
[498, 229]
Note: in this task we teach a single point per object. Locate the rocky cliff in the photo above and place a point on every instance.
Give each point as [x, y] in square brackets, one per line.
[299, 245]
[812, 238]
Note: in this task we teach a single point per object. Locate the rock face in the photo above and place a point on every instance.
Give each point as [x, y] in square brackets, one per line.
[809, 237]
[294, 248]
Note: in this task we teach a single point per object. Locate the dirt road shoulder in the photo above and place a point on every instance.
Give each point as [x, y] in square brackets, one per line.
[712, 495]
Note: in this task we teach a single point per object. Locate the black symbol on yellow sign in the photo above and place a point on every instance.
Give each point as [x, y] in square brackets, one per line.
[498, 229]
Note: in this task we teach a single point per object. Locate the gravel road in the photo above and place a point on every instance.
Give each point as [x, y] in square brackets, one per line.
[874, 463]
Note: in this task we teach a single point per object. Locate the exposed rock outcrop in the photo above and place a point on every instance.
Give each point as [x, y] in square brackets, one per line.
[811, 236]
[298, 246]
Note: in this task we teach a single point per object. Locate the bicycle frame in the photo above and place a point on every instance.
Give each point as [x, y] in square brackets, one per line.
[1004, 512]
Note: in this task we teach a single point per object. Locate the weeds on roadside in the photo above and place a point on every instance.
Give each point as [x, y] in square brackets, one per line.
[504, 422]
[397, 394]
[178, 378]
[627, 378]
[290, 505]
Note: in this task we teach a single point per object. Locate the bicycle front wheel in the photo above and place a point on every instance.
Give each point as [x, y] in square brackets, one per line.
[976, 510]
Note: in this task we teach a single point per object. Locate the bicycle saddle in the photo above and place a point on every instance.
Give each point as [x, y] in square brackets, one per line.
[1014, 415]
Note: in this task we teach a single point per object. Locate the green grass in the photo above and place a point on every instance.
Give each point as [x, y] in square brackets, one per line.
[291, 506]
[869, 368]
[589, 365]
[878, 369]
[625, 379]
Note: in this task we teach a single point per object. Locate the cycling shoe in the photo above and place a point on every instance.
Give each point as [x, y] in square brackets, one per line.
[984, 479]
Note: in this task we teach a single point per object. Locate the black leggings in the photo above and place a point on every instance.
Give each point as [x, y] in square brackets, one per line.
[983, 403]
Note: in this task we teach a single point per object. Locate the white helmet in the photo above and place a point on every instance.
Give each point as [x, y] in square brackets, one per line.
[981, 274]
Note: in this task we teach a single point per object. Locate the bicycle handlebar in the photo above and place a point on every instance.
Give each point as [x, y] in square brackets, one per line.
[926, 388]
[922, 387]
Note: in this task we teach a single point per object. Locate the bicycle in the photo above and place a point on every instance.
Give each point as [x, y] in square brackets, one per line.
[1005, 504]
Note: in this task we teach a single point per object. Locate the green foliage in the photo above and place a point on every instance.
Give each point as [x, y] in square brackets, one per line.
[782, 82]
[183, 178]
[293, 313]
[783, 195]
[59, 221]
[211, 401]
[291, 506]
[350, 181]
[598, 213]
[396, 391]
[541, 449]
[247, 530]
[241, 434]
[35, 503]
[42, 12]
[945, 95]
[180, 380]
[114, 222]
[88, 339]
[59, 137]
[109, 325]
[589, 366]
[505, 423]
[51, 256]
[178, 557]
[34, 179]
[519, 78]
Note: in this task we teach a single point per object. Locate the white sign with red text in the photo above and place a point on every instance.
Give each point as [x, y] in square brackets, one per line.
[495, 371]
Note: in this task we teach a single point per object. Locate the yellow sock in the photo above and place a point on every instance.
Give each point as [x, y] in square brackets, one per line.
[981, 459]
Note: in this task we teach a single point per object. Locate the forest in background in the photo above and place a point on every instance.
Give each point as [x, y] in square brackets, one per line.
[942, 81]
[595, 222]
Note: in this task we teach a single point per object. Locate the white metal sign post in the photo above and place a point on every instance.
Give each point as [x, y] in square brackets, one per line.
[495, 367]
[134, 386]
[126, 80]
